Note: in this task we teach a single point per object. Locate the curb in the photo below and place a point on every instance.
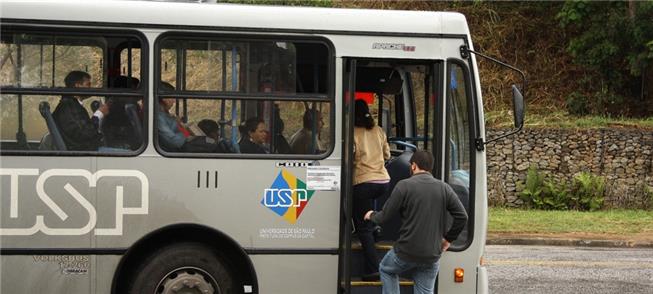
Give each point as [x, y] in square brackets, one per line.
[569, 242]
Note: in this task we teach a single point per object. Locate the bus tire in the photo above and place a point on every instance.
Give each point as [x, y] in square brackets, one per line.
[193, 266]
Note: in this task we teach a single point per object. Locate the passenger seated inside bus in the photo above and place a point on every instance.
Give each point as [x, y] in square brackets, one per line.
[211, 129]
[173, 135]
[279, 142]
[72, 119]
[304, 141]
[170, 131]
[117, 127]
[253, 136]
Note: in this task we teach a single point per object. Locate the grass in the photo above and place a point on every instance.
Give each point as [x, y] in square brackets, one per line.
[612, 222]
[543, 118]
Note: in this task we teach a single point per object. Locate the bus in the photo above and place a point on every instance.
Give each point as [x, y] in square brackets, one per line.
[220, 157]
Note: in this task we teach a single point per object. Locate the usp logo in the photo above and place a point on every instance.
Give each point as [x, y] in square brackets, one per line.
[287, 196]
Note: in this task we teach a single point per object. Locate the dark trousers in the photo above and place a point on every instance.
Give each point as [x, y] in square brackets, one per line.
[364, 195]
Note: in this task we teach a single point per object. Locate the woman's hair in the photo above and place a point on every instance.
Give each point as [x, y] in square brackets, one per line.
[127, 82]
[310, 115]
[166, 87]
[249, 125]
[362, 116]
[208, 126]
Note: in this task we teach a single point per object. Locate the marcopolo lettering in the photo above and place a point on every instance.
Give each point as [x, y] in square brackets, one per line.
[393, 46]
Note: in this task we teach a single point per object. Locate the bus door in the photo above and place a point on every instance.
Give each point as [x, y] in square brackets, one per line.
[402, 97]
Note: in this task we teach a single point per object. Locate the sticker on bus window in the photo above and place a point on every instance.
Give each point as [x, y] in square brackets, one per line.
[323, 178]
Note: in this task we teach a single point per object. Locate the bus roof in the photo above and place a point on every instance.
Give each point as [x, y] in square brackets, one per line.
[233, 16]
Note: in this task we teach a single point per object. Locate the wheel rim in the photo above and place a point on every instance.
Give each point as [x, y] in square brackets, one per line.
[188, 280]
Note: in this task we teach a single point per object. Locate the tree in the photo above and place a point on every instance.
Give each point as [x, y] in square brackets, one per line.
[614, 41]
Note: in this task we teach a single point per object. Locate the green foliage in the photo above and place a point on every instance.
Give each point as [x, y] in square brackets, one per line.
[556, 197]
[586, 192]
[617, 222]
[541, 193]
[645, 192]
[578, 104]
[612, 40]
[531, 192]
[649, 198]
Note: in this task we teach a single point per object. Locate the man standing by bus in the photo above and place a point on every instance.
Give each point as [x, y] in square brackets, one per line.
[422, 201]
[78, 130]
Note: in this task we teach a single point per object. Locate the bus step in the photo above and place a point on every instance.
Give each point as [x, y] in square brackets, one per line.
[380, 246]
[374, 287]
[357, 258]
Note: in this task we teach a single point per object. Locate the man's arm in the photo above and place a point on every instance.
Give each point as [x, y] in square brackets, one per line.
[458, 213]
[167, 134]
[391, 206]
[99, 114]
[76, 124]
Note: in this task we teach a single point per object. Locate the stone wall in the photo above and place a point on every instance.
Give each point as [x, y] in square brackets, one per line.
[624, 157]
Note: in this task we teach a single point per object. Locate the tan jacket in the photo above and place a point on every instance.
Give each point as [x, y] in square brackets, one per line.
[370, 150]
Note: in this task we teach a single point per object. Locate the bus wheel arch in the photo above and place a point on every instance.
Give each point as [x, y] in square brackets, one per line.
[228, 251]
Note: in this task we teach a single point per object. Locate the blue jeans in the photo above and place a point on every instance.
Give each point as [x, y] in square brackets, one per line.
[423, 274]
[364, 196]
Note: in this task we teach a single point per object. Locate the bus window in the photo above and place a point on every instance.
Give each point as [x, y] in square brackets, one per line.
[260, 97]
[62, 91]
[130, 62]
[418, 87]
[402, 111]
[43, 61]
[459, 145]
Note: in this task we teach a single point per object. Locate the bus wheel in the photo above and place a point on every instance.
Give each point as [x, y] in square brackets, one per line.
[182, 268]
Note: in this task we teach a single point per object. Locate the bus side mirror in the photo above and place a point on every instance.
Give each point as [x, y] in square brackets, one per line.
[517, 97]
[518, 107]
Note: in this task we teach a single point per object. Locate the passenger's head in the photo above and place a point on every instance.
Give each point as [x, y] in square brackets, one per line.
[166, 103]
[78, 79]
[421, 161]
[124, 82]
[279, 125]
[127, 82]
[254, 129]
[311, 116]
[210, 128]
[362, 116]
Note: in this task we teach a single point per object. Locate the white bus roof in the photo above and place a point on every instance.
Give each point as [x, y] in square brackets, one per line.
[274, 18]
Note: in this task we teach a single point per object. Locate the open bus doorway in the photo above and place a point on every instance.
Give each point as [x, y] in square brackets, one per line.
[401, 96]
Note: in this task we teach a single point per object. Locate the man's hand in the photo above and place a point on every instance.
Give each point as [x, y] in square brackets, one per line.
[104, 108]
[368, 215]
[445, 245]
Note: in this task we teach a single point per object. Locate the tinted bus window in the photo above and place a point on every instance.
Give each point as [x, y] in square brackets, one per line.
[69, 91]
[459, 169]
[243, 96]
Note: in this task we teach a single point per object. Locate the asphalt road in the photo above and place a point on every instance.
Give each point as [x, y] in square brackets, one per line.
[557, 269]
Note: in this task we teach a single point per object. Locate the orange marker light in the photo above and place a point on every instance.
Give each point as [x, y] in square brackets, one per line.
[458, 275]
